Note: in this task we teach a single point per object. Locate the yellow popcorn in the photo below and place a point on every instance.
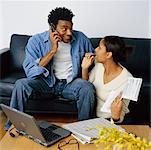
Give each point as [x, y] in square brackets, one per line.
[112, 138]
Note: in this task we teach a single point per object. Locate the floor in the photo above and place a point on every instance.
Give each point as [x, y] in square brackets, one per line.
[55, 118]
[2, 123]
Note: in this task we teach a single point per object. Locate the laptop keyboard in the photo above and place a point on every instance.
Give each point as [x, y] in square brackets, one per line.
[51, 128]
[49, 135]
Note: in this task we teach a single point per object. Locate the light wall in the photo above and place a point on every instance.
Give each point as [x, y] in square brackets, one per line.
[128, 18]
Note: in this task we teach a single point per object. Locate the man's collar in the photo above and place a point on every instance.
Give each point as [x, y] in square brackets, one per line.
[47, 36]
[73, 37]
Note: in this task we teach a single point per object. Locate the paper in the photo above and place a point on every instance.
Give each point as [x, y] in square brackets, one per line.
[107, 105]
[132, 88]
[80, 139]
[130, 91]
[87, 131]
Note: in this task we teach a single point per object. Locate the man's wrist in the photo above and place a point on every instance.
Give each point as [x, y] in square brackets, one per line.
[53, 52]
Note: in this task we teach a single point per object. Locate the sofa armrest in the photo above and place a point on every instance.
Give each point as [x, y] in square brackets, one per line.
[4, 50]
[4, 62]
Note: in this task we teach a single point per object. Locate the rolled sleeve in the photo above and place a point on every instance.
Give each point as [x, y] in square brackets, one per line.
[37, 60]
[32, 59]
[46, 72]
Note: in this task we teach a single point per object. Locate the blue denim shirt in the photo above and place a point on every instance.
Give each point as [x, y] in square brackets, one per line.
[39, 45]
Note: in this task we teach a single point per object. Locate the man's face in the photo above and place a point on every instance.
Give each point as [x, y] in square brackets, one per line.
[64, 29]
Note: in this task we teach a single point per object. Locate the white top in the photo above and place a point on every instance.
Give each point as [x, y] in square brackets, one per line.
[62, 63]
[103, 90]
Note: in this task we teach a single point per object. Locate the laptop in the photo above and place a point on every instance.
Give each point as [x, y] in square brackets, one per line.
[41, 132]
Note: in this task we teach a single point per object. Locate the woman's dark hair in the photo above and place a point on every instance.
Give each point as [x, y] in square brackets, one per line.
[116, 45]
[60, 13]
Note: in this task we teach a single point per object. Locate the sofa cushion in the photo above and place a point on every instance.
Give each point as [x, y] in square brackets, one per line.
[138, 62]
[6, 89]
[12, 77]
[7, 83]
[17, 50]
[95, 42]
[51, 105]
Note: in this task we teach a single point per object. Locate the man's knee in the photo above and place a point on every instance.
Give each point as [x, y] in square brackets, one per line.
[87, 90]
[20, 83]
[85, 84]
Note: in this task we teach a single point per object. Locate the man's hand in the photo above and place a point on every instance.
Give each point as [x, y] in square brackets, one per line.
[87, 60]
[116, 107]
[54, 39]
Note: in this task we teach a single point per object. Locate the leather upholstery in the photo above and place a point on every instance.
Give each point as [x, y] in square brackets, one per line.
[138, 64]
[17, 53]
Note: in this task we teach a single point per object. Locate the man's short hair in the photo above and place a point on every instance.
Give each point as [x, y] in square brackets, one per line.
[60, 13]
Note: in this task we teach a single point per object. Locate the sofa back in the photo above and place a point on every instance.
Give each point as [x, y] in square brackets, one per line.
[17, 50]
[138, 62]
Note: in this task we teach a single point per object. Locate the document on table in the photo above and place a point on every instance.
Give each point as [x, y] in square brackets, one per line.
[130, 91]
[87, 131]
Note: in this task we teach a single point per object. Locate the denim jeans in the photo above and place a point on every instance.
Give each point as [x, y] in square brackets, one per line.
[82, 91]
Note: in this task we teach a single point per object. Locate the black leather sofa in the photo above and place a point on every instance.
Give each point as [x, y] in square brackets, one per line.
[138, 64]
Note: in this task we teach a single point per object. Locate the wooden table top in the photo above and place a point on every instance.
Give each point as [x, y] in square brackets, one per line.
[23, 143]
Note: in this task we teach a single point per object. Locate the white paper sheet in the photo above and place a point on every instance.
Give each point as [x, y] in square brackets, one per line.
[132, 88]
[131, 92]
[107, 105]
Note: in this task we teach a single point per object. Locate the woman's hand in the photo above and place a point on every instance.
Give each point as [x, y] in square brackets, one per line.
[87, 60]
[116, 107]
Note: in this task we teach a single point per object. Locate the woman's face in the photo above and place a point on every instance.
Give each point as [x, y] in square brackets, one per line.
[101, 53]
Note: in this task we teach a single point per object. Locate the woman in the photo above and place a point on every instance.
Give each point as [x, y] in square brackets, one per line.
[108, 76]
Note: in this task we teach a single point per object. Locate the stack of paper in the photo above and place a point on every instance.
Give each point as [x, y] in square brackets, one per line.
[87, 131]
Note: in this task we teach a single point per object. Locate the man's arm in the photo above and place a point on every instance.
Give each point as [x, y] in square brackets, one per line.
[54, 39]
[46, 59]
[35, 63]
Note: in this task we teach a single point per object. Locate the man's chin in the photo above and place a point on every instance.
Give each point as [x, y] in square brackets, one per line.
[67, 40]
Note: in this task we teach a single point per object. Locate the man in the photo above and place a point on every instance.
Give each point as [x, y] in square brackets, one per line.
[53, 65]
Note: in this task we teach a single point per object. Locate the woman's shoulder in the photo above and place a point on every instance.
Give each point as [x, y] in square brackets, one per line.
[126, 72]
[99, 65]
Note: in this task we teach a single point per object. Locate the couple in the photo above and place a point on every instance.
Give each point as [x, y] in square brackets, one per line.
[53, 63]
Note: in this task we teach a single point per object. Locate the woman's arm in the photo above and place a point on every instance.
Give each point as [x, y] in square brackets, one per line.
[86, 63]
[85, 74]
[116, 108]
[119, 108]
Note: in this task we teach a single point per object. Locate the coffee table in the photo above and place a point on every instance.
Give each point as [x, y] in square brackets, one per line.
[23, 143]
